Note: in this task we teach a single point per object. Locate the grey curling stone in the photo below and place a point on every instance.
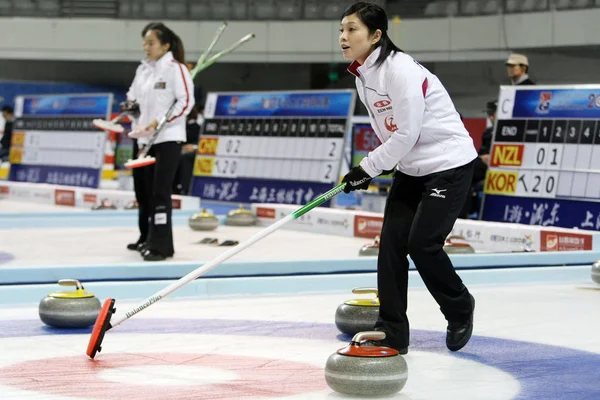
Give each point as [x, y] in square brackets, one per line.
[458, 245]
[366, 370]
[371, 249]
[358, 315]
[240, 217]
[596, 271]
[78, 309]
[203, 221]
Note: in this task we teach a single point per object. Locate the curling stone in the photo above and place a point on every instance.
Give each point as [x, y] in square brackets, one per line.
[458, 245]
[78, 309]
[371, 249]
[203, 221]
[361, 369]
[240, 217]
[358, 314]
[132, 205]
[596, 271]
[104, 205]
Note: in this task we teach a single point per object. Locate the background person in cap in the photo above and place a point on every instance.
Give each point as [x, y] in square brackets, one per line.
[517, 66]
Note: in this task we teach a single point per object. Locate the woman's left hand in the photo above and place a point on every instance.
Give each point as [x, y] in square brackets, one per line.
[152, 125]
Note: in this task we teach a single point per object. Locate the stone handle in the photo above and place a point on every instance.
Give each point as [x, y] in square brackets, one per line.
[365, 290]
[71, 282]
[368, 335]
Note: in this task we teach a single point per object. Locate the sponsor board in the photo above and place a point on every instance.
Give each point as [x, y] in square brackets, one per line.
[565, 241]
[64, 197]
[367, 226]
[90, 198]
[264, 212]
[175, 204]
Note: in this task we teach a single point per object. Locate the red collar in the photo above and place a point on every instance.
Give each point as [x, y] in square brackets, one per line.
[353, 68]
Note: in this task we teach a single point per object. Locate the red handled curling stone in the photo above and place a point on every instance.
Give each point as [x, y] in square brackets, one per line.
[132, 205]
[100, 327]
[105, 204]
[458, 245]
[77, 309]
[365, 370]
[358, 315]
[371, 249]
[596, 271]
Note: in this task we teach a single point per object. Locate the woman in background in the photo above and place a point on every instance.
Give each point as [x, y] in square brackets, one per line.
[161, 80]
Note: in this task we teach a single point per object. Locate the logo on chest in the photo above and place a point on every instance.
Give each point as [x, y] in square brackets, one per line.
[389, 123]
[382, 106]
[160, 85]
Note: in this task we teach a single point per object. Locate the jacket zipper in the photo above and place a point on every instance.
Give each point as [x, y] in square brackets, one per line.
[364, 88]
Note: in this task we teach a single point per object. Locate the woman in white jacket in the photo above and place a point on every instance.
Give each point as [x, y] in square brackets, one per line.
[424, 139]
[160, 80]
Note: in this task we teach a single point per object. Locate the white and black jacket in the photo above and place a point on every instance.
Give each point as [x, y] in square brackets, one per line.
[413, 116]
[155, 87]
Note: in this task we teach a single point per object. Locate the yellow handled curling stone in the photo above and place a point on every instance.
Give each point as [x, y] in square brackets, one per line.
[358, 315]
[78, 309]
[203, 221]
[240, 217]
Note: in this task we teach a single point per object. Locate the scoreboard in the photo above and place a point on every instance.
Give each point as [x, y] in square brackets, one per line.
[545, 157]
[271, 147]
[55, 142]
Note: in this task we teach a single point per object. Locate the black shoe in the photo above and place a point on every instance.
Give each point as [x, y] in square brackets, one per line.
[150, 255]
[136, 246]
[459, 332]
[383, 343]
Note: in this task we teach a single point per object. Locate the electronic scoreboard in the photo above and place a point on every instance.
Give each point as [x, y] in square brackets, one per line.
[54, 141]
[271, 147]
[545, 157]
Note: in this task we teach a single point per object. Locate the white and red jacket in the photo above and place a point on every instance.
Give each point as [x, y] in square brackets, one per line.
[413, 116]
[155, 87]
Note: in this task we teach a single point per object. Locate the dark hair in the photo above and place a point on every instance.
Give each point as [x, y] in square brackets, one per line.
[8, 109]
[167, 36]
[374, 17]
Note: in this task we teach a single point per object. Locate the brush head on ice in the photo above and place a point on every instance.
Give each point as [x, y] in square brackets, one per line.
[108, 126]
[100, 327]
[140, 162]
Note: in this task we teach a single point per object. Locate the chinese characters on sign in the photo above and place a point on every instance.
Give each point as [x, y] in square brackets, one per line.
[228, 191]
[545, 158]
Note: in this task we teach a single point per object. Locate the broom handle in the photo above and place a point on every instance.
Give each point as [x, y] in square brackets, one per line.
[228, 254]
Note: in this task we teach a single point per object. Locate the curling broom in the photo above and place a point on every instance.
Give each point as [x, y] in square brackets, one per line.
[103, 322]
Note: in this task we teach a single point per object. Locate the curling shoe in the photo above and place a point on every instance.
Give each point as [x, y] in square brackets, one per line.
[150, 255]
[137, 246]
[459, 332]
